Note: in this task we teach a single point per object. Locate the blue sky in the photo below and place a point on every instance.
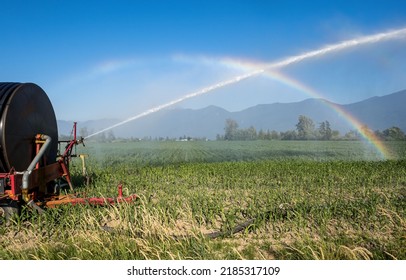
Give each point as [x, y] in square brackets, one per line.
[115, 59]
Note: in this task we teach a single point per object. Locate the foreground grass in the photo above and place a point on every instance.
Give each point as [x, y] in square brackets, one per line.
[301, 209]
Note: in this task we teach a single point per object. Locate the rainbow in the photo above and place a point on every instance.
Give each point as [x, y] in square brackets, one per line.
[254, 69]
[270, 70]
[370, 137]
[379, 145]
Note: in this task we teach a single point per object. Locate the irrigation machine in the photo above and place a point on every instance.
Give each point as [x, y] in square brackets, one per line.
[34, 165]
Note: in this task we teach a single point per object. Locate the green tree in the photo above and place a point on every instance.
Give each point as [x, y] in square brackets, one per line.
[325, 131]
[305, 128]
[335, 134]
[393, 133]
[352, 135]
[251, 133]
[230, 129]
[274, 135]
[288, 135]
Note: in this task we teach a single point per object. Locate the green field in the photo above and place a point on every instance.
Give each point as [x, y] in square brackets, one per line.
[292, 200]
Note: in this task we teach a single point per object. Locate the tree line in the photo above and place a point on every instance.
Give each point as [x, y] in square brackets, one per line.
[306, 129]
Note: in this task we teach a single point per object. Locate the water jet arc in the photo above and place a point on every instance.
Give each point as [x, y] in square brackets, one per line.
[396, 34]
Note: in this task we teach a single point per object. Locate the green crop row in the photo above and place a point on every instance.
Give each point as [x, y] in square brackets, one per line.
[171, 152]
[317, 200]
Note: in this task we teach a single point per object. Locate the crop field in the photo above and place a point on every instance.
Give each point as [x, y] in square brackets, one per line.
[226, 200]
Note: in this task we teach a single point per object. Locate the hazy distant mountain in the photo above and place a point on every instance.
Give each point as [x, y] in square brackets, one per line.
[65, 127]
[378, 113]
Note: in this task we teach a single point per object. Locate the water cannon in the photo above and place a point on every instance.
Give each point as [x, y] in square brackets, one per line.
[33, 163]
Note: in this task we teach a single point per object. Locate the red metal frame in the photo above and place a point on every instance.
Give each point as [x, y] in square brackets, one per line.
[41, 176]
[95, 201]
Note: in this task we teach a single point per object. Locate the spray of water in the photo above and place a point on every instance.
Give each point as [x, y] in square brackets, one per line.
[396, 34]
[190, 95]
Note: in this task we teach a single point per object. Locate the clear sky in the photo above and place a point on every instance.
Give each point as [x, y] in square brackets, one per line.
[114, 59]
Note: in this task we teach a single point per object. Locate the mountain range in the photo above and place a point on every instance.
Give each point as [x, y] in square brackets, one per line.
[378, 113]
